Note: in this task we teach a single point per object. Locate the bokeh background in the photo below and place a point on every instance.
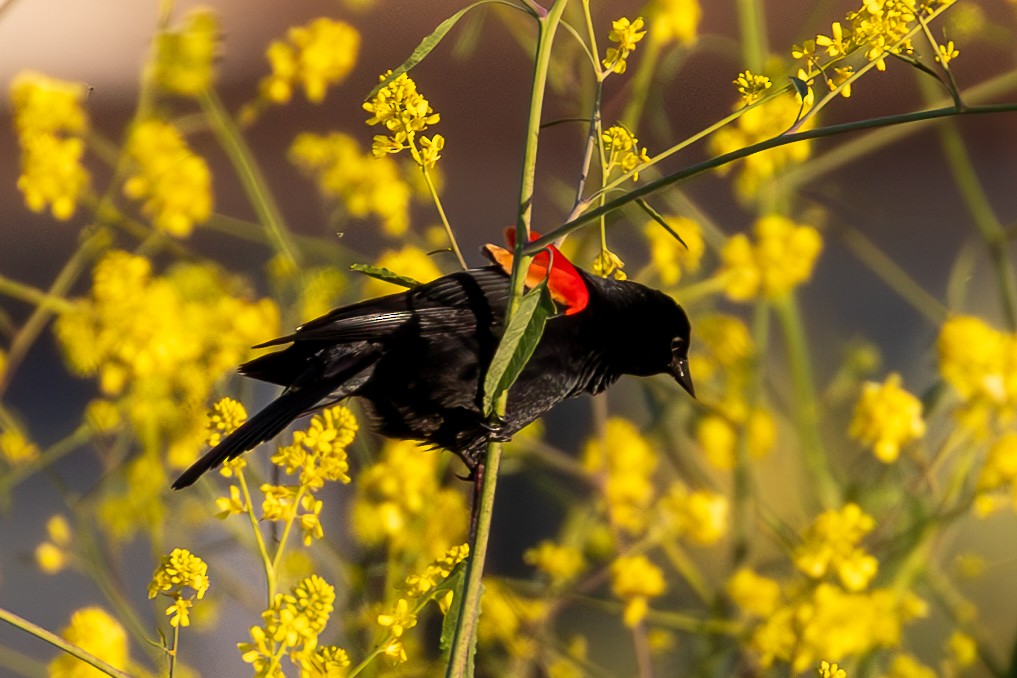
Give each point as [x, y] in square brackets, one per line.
[900, 196]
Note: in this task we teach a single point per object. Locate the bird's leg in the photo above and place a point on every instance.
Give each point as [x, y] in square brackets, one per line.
[477, 474]
[495, 429]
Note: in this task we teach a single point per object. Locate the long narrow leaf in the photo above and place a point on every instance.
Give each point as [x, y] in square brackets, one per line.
[382, 273]
[517, 343]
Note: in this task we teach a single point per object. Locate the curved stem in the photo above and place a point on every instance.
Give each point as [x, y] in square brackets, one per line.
[61, 644]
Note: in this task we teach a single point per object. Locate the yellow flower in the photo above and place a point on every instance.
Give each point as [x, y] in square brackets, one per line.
[831, 545]
[674, 20]
[404, 112]
[887, 417]
[757, 595]
[185, 57]
[231, 505]
[963, 648]
[906, 666]
[751, 86]
[315, 56]
[561, 564]
[622, 152]
[669, 257]
[718, 436]
[366, 185]
[980, 363]
[225, 417]
[279, 502]
[51, 123]
[626, 463]
[174, 183]
[700, 516]
[999, 472]
[781, 258]
[828, 670]
[608, 264]
[947, 53]
[328, 661]
[53, 556]
[16, 448]
[292, 623]
[625, 34]
[634, 579]
[96, 632]
[178, 570]
[319, 451]
[510, 620]
[400, 619]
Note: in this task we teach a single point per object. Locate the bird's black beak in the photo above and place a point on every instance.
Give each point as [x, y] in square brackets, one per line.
[681, 374]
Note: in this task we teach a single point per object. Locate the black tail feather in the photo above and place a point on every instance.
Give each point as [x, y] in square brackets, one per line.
[263, 426]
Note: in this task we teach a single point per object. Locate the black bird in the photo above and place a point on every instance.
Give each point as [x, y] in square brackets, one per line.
[418, 359]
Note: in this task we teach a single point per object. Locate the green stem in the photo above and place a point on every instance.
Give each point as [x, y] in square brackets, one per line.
[464, 639]
[61, 644]
[34, 296]
[232, 141]
[173, 650]
[727, 158]
[806, 406]
[752, 22]
[980, 208]
[259, 538]
[444, 219]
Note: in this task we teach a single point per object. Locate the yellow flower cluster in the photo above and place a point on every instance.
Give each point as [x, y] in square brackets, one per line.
[622, 152]
[291, 628]
[226, 417]
[366, 185]
[315, 56]
[399, 502]
[97, 632]
[887, 417]
[828, 670]
[781, 258]
[319, 451]
[607, 264]
[436, 572]
[625, 35]
[404, 112]
[634, 580]
[173, 182]
[674, 20]
[185, 57]
[16, 448]
[998, 473]
[700, 516]
[625, 462]
[718, 434]
[561, 563]
[980, 363]
[751, 86]
[54, 554]
[767, 120]
[830, 545]
[159, 342]
[669, 258]
[176, 572]
[51, 123]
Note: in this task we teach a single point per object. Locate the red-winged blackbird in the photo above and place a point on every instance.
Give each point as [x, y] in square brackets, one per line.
[418, 358]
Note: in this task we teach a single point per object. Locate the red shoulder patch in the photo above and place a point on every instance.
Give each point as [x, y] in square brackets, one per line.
[563, 281]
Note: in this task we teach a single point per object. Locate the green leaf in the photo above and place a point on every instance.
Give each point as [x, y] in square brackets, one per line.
[382, 273]
[430, 42]
[517, 343]
[656, 216]
[453, 582]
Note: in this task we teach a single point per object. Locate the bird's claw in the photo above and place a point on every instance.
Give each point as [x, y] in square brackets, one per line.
[495, 428]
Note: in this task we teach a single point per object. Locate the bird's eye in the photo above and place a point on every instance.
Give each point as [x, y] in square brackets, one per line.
[677, 344]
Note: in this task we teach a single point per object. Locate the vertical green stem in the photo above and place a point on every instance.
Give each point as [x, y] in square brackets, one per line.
[752, 21]
[460, 660]
[806, 406]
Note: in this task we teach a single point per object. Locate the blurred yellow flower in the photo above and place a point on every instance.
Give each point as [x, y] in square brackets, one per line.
[980, 363]
[173, 182]
[674, 20]
[561, 563]
[315, 56]
[625, 462]
[905, 665]
[756, 595]
[700, 516]
[887, 417]
[830, 545]
[96, 632]
[669, 258]
[51, 123]
[998, 472]
[634, 580]
[718, 436]
[185, 56]
[16, 448]
[781, 258]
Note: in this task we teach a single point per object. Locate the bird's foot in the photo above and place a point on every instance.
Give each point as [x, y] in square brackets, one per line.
[495, 429]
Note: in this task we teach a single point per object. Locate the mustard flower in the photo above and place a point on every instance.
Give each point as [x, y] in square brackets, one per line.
[103, 416]
[279, 502]
[437, 571]
[315, 56]
[700, 516]
[718, 435]
[52, 556]
[607, 264]
[634, 579]
[404, 112]
[173, 182]
[754, 594]
[399, 619]
[16, 448]
[292, 624]
[980, 363]
[328, 661]
[781, 258]
[366, 185]
[185, 57]
[905, 665]
[95, 631]
[831, 545]
[510, 620]
[887, 417]
[625, 35]
[828, 670]
[751, 86]
[561, 563]
[51, 122]
[947, 53]
[319, 451]
[626, 463]
[225, 417]
[998, 472]
[179, 570]
[622, 152]
[232, 505]
[676, 20]
[669, 258]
